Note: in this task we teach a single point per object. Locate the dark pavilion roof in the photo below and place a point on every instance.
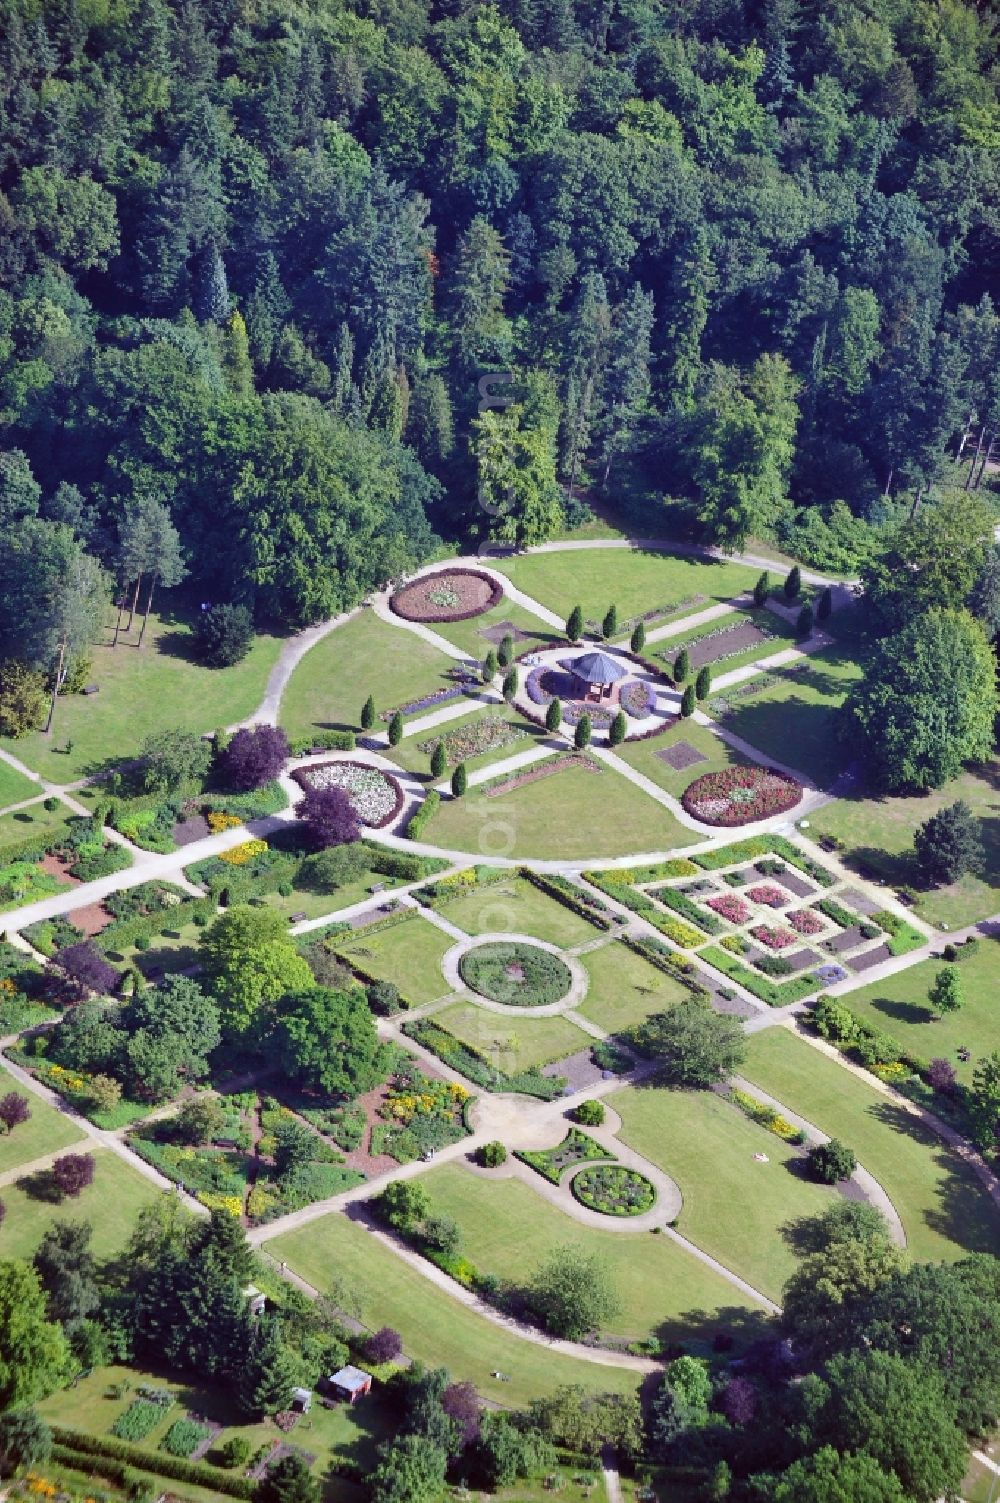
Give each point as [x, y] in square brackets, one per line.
[597, 668]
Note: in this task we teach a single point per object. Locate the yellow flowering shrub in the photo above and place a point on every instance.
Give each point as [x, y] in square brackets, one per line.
[239, 855]
[6, 985]
[217, 821]
[215, 1202]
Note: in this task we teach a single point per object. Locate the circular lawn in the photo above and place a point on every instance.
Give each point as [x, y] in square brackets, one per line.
[740, 795]
[448, 595]
[516, 974]
[613, 1191]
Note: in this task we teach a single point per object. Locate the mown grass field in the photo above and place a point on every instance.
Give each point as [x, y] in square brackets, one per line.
[512, 1043]
[735, 1206]
[509, 1230]
[363, 656]
[625, 989]
[879, 832]
[143, 690]
[944, 1209]
[408, 954]
[517, 907]
[436, 1328]
[111, 1205]
[633, 581]
[572, 813]
[46, 1130]
[14, 786]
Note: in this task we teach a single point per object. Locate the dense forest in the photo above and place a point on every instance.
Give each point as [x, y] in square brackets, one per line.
[732, 259]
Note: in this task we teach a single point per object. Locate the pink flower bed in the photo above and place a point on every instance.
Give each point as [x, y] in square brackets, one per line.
[740, 795]
[804, 921]
[732, 908]
[775, 939]
[767, 893]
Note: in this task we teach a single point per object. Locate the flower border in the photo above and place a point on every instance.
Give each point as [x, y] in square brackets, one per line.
[301, 773]
[496, 595]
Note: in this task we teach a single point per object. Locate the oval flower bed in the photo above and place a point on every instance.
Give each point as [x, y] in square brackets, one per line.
[376, 795]
[448, 595]
[636, 699]
[613, 1191]
[518, 975]
[740, 795]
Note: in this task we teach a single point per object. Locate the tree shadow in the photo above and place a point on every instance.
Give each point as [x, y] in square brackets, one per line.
[729, 1328]
[964, 1211]
[902, 1012]
[41, 1186]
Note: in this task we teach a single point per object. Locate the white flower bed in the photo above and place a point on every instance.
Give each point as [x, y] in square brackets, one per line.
[371, 792]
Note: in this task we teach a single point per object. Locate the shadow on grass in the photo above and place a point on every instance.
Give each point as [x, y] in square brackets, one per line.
[730, 1328]
[964, 1213]
[902, 1012]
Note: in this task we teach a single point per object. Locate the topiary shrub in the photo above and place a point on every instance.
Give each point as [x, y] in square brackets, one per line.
[804, 624]
[368, 713]
[583, 732]
[688, 702]
[638, 639]
[682, 666]
[793, 582]
[589, 1113]
[395, 729]
[609, 625]
[439, 760]
[459, 781]
[618, 729]
[574, 624]
[761, 590]
[489, 668]
[492, 1155]
[553, 715]
[832, 1161]
[703, 683]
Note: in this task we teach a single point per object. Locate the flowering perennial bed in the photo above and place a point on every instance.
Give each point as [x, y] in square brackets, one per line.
[768, 894]
[730, 907]
[433, 701]
[542, 770]
[637, 699]
[740, 795]
[804, 921]
[376, 795]
[775, 939]
[448, 595]
[490, 734]
[613, 1191]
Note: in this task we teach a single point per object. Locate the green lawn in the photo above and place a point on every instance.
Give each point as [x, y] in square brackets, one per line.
[408, 954]
[944, 1209]
[350, 1432]
[46, 1130]
[782, 636]
[517, 907]
[572, 813]
[14, 786]
[645, 756]
[364, 656]
[156, 688]
[879, 836]
[37, 824]
[411, 758]
[174, 950]
[899, 1007]
[625, 989]
[512, 1043]
[435, 1328]
[111, 1204]
[734, 1207]
[509, 1230]
[795, 720]
[635, 582]
[468, 635]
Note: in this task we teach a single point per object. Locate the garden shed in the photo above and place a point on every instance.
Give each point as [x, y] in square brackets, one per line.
[256, 1300]
[302, 1400]
[350, 1383]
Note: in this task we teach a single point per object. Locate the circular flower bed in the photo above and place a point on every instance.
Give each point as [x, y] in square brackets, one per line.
[518, 975]
[376, 795]
[740, 795]
[448, 595]
[614, 1191]
[637, 699]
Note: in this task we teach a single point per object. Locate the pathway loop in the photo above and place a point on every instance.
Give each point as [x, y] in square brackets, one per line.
[451, 962]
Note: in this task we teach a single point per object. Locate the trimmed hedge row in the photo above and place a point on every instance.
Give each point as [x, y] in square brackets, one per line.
[680, 903]
[422, 816]
[569, 896]
[469, 1062]
[31, 848]
[767, 991]
[79, 1443]
[301, 746]
[763, 845]
[125, 932]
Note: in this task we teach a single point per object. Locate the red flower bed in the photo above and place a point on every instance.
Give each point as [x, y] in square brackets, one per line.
[775, 939]
[740, 795]
[804, 921]
[447, 595]
[732, 908]
[767, 893]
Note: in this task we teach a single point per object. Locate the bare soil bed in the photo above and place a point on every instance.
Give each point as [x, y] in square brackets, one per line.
[869, 958]
[91, 919]
[54, 866]
[726, 643]
[681, 755]
[448, 595]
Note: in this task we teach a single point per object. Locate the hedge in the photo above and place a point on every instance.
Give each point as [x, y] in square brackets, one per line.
[78, 1442]
[902, 936]
[301, 746]
[125, 932]
[763, 845]
[402, 864]
[256, 804]
[242, 882]
[569, 896]
[469, 1062]
[680, 903]
[30, 849]
[422, 816]
[767, 991]
[841, 916]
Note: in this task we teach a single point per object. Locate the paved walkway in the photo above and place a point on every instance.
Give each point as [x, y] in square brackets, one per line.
[289, 659]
